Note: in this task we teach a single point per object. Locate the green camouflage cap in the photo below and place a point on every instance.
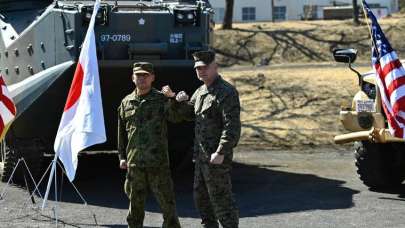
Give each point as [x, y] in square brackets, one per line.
[203, 58]
[143, 68]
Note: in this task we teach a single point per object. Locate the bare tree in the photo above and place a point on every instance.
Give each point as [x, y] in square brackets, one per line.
[355, 13]
[228, 18]
[272, 10]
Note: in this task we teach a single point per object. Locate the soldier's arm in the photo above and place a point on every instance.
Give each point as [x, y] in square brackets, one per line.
[230, 111]
[180, 111]
[122, 135]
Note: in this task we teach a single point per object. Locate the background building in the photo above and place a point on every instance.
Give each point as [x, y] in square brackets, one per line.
[260, 10]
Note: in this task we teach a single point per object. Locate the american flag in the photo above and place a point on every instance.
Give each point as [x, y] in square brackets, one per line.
[7, 108]
[390, 75]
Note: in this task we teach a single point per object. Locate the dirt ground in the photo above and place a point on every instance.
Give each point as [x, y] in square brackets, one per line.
[292, 105]
[301, 41]
[290, 87]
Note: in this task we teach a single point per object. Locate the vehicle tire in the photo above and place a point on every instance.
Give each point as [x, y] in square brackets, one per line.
[11, 151]
[379, 165]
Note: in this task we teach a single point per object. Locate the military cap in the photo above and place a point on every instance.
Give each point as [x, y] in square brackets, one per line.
[143, 68]
[203, 58]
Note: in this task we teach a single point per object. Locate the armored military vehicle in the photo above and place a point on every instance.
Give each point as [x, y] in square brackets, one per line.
[40, 41]
[380, 157]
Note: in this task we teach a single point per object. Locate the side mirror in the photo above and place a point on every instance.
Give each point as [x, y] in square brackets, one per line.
[345, 55]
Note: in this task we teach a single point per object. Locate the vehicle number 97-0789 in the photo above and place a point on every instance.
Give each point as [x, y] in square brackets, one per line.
[115, 38]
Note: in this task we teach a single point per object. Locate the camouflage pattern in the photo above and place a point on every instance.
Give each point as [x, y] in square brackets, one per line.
[142, 128]
[217, 120]
[217, 129]
[213, 196]
[142, 141]
[143, 67]
[158, 180]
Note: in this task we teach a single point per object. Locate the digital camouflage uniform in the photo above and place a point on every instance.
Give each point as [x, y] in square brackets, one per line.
[217, 125]
[142, 141]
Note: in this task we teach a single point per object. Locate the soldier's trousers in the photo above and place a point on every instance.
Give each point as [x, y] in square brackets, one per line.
[213, 196]
[137, 185]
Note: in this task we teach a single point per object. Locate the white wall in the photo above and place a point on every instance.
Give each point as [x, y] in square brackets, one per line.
[263, 8]
[294, 8]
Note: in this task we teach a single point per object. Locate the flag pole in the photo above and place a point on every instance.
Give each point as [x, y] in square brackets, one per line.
[56, 194]
[48, 188]
[377, 104]
[368, 23]
[89, 39]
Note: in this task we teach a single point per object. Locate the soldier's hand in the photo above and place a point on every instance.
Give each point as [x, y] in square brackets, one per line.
[167, 91]
[217, 159]
[182, 96]
[123, 164]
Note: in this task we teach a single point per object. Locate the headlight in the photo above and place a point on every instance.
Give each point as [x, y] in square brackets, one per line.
[184, 17]
[180, 16]
[101, 16]
[190, 16]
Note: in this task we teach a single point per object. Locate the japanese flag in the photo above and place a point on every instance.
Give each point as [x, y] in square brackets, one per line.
[82, 123]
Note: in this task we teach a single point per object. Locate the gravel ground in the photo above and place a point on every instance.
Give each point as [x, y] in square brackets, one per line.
[313, 187]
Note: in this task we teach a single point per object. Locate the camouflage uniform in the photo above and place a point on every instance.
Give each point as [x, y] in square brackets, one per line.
[217, 125]
[142, 142]
[216, 110]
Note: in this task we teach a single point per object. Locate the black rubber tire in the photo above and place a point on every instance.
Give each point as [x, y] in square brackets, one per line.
[379, 165]
[14, 150]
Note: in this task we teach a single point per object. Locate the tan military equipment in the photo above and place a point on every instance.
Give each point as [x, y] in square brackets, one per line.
[380, 157]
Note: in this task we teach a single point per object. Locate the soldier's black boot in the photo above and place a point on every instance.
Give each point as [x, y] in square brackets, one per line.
[210, 224]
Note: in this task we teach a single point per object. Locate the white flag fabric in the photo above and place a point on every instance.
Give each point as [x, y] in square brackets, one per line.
[7, 108]
[82, 123]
